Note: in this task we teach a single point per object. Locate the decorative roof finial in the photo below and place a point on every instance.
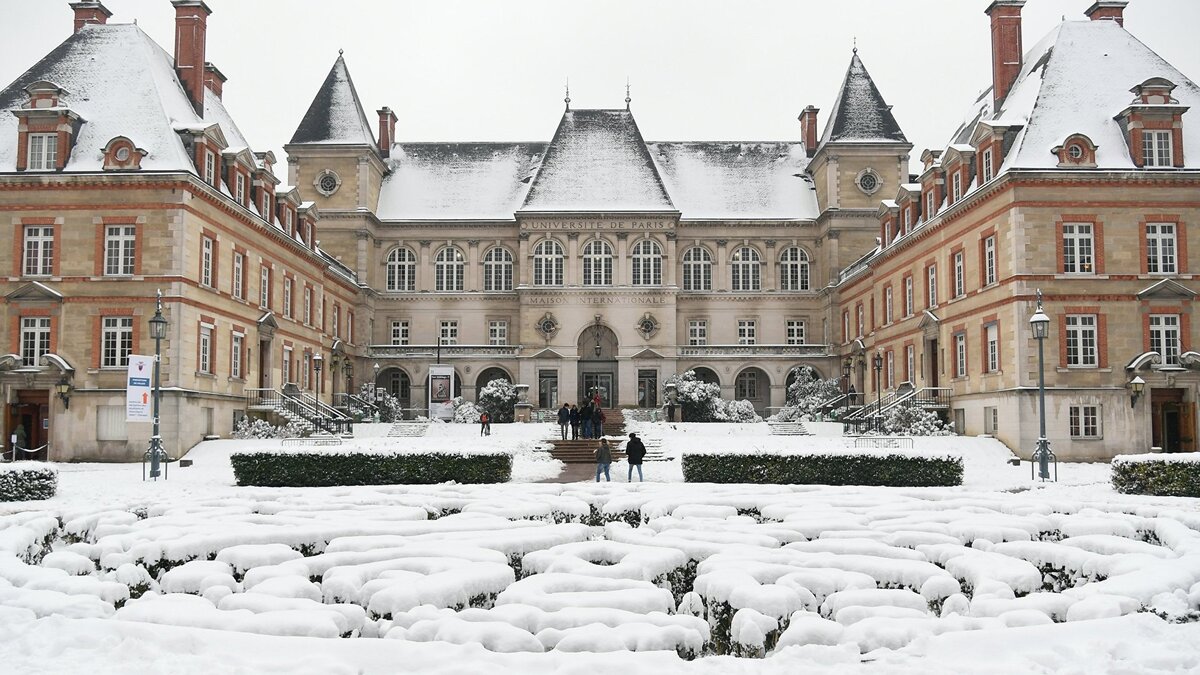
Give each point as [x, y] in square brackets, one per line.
[627, 98]
[339, 52]
[855, 49]
[567, 98]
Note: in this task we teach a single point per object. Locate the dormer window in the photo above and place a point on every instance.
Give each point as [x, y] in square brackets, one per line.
[1077, 151]
[240, 189]
[43, 152]
[987, 165]
[1153, 124]
[1156, 148]
[46, 128]
[120, 154]
[210, 168]
[956, 181]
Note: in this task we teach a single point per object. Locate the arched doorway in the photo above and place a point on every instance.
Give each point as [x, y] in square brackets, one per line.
[707, 375]
[753, 384]
[488, 375]
[598, 364]
[396, 383]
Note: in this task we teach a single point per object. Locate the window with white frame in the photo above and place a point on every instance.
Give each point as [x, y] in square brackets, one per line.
[110, 423]
[1160, 248]
[449, 270]
[795, 332]
[350, 327]
[1081, 339]
[887, 305]
[1078, 248]
[931, 281]
[210, 168]
[285, 368]
[861, 323]
[908, 296]
[929, 205]
[497, 270]
[399, 333]
[956, 182]
[910, 363]
[1164, 337]
[1156, 148]
[987, 165]
[266, 207]
[237, 351]
[306, 371]
[206, 261]
[43, 152]
[548, 263]
[746, 266]
[401, 270]
[991, 419]
[497, 333]
[889, 370]
[120, 247]
[794, 269]
[697, 333]
[992, 339]
[307, 306]
[746, 385]
[239, 184]
[960, 355]
[647, 263]
[264, 287]
[336, 320]
[747, 331]
[697, 269]
[116, 341]
[989, 260]
[846, 325]
[39, 250]
[205, 351]
[907, 219]
[449, 333]
[1085, 421]
[597, 263]
[238, 286]
[960, 285]
[287, 297]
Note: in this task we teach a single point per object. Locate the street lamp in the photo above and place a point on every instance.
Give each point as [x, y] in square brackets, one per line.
[348, 370]
[1040, 323]
[158, 331]
[596, 334]
[318, 361]
[846, 374]
[877, 362]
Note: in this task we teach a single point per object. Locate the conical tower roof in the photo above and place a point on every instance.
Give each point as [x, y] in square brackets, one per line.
[860, 113]
[336, 115]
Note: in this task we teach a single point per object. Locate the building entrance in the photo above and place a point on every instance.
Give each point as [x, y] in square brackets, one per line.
[598, 364]
[1172, 421]
[29, 419]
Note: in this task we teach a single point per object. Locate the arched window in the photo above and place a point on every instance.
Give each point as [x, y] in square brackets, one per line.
[497, 270]
[746, 266]
[548, 263]
[697, 270]
[793, 270]
[401, 270]
[597, 263]
[448, 269]
[647, 263]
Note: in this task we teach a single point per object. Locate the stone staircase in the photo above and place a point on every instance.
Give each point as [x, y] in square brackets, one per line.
[582, 451]
[408, 429]
[788, 429]
[306, 428]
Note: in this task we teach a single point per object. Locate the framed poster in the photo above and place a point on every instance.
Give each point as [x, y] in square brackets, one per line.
[441, 392]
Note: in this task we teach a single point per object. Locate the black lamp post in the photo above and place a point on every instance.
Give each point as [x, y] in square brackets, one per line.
[1040, 323]
[846, 375]
[877, 361]
[348, 370]
[158, 331]
[318, 361]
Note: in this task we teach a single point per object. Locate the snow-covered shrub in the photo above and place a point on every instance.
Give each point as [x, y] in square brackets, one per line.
[914, 421]
[323, 469]
[498, 398]
[805, 395]
[248, 428]
[25, 481]
[465, 412]
[739, 411]
[701, 401]
[389, 407]
[1157, 474]
[896, 470]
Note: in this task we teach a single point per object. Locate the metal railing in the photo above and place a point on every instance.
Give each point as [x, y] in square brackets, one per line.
[899, 442]
[853, 399]
[317, 413]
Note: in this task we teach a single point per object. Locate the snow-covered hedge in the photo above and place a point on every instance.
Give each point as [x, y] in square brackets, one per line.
[857, 468]
[309, 468]
[1157, 474]
[25, 481]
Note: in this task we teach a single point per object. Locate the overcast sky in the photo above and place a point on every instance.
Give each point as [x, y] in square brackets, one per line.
[699, 70]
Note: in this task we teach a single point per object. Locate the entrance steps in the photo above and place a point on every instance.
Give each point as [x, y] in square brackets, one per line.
[788, 429]
[408, 429]
[582, 451]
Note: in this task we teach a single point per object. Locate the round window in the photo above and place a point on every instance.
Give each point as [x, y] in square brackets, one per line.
[548, 325]
[648, 325]
[868, 181]
[122, 154]
[328, 183]
[1075, 152]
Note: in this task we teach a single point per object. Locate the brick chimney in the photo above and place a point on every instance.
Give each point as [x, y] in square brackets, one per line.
[1112, 10]
[191, 27]
[214, 79]
[808, 130]
[89, 11]
[1006, 45]
[387, 131]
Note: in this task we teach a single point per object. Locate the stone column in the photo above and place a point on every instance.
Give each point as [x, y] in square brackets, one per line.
[361, 249]
[572, 273]
[721, 273]
[670, 262]
[424, 273]
[622, 263]
[771, 263]
[474, 280]
[524, 261]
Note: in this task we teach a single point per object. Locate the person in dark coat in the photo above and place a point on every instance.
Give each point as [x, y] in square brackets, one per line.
[635, 451]
[597, 422]
[585, 416]
[574, 422]
[603, 460]
[564, 419]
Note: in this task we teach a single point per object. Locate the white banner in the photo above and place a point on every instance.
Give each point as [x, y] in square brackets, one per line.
[441, 392]
[137, 389]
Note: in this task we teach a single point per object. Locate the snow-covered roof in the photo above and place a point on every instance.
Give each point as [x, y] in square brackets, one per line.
[457, 181]
[859, 112]
[737, 180]
[597, 161]
[336, 115]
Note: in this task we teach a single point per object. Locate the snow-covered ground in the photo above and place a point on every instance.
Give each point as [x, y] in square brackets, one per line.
[1002, 575]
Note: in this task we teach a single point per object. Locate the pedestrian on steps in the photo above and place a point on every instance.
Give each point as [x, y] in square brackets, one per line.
[635, 452]
[585, 415]
[597, 422]
[564, 419]
[574, 422]
[603, 460]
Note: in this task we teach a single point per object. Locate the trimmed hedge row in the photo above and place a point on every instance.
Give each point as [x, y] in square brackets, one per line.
[1163, 476]
[323, 469]
[895, 470]
[27, 481]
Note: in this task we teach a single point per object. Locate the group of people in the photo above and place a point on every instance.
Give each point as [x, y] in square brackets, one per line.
[635, 452]
[591, 417]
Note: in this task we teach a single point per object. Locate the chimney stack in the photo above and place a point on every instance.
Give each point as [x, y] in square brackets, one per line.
[191, 28]
[387, 131]
[214, 79]
[1006, 45]
[89, 11]
[1112, 10]
[808, 130]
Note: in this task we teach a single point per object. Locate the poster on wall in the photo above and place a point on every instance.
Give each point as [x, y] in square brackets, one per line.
[137, 388]
[441, 392]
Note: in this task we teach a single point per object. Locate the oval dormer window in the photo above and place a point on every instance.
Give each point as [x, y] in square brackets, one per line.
[1075, 152]
[122, 154]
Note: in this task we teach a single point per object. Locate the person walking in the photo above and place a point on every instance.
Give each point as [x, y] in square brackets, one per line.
[597, 422]
[485, 425]
[585, 415]
[564, 419]
[574, 422]
[635, 452]
[603, 460]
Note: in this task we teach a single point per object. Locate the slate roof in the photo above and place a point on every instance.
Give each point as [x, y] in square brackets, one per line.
[597, 161]
[737, 180]
[336, 115]
[860, 113]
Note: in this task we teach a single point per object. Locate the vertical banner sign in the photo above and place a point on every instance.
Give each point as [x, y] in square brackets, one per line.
[441, 391]
[137, 388]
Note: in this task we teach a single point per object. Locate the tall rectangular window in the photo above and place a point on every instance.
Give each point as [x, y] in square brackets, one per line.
[992, 333]
[497, 333]
[910, 363]
[1081, 341]
[887, 305]
[1164, 337]
[795, 332]
[39, 251]
[960, 355]
[287, 297]
[239, 184]
[1085, 421]
[889, 370]
[238, 287]
[929, 205]
[960, 285]
[210, 168]
[846, 325]
[236, 350]
[350, 327]
[861, 325]
[931, 285]
[697, 333]
[43, 152]
[989, 260]
[908, 296]
[747, 331]
[307, 306]
[206, 261]
[956, 182]
[1078, 248]
[285, 368]
[449, 333]
[337, 315]
[1156, 148]
[1160, 248]
[116, 341]
[35, 339]
[205, 364]
[306, 370]
[264, 287]
[399, 333]
[987, 165]
[119, 249]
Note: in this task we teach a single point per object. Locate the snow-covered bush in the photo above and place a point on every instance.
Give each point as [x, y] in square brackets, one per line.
[465, 412]
[896, 470]
[701, 401]
[248, 428]
[915, 421]
[805, 395]
[498, 398]
[738, 411]
[1157, 474]
[323, 469]
[24, 481]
